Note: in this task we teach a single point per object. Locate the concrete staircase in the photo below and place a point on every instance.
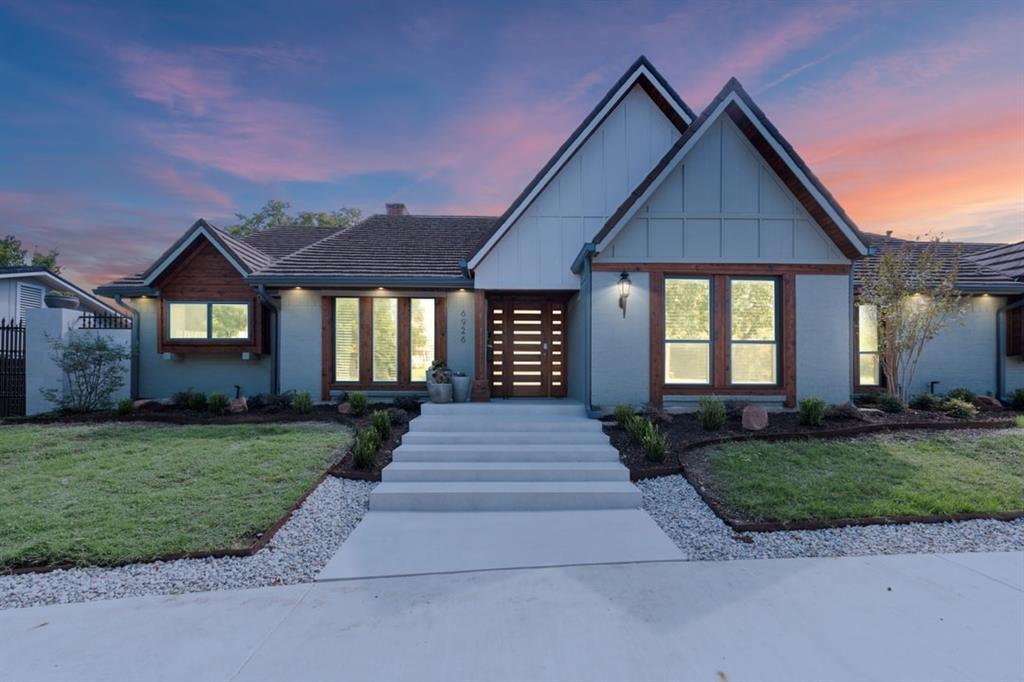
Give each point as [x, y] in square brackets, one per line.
[504, 456]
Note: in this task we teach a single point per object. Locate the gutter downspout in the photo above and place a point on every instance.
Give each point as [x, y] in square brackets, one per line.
[136, 317]
[275, 351]
[1001, 346]
[582, 266]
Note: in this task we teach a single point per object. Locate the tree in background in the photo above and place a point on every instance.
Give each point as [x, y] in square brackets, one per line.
[913, 289]
[275, 212]
[13, 255]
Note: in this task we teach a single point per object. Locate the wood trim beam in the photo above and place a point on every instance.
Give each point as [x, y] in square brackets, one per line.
[657, 340]
[404, 340]
[481, 387]
[736, 269]
[789, 337]
[326, 346]
[720, 333]
[671, 389]
[365, 341]
[441, 328]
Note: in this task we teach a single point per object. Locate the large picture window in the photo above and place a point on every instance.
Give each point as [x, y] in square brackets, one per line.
[753, 338]
[385, 340]
[868, 365]
[207, 321]
[346, 339]
[422, 337]
[688, 331]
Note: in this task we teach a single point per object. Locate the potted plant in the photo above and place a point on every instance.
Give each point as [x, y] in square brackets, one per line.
[439, 382]
[461, 385]
[58, 298]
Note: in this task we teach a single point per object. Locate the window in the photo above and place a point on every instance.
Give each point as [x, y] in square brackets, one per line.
[208, 321]
[688, 331]
[346, 339]
[421, 345]
[385, 339]
[868, 365]
[753, 331]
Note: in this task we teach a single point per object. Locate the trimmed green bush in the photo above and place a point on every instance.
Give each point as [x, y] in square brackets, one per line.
[364, 450]
[1017, 399]
[218, 403]
[812, 411]
[635, 427]
[925, 401]
[381, 421]
[197, 401]
[961, 409]
[181, 398]
[654, 442]
[888, 402]
[711, 412]
[1018, 421]
[302, 403]
[961, 393]
[125, 407]
[359, 402]
[623, 413]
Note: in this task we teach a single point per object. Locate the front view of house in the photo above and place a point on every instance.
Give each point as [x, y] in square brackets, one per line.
[657, 257]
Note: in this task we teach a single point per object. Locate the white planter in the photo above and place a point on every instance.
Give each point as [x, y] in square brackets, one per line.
[440, 393]
[461, 388]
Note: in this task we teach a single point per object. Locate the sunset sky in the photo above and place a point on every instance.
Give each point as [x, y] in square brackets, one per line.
[123, 123]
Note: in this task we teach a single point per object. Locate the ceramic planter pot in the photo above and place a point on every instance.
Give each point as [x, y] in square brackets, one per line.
[440, 393]
[461, 388]
[68, 302]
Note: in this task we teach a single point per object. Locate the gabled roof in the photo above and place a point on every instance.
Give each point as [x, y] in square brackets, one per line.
[641, 73]
[1005, 258]
[281, 240]
[55, 281]
[384, 250]
[972, 276]
[734, 101]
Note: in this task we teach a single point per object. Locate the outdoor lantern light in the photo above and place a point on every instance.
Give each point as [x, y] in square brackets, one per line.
[624, 285]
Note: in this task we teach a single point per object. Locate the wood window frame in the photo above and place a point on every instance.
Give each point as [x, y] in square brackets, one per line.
[366, 383]
[252, 343]
[858, 387]
[712, 302]
[776, 341]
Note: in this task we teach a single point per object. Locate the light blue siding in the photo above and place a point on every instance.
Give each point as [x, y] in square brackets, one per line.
[823, 327]
[963, 354]
[576, 331]
[300, 341]
[461, 334]
[620, 368]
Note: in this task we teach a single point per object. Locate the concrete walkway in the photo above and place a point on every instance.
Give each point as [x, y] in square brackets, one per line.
[911, 617]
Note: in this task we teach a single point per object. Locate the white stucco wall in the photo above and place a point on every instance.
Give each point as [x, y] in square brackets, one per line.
[823, 327]
[620, 365]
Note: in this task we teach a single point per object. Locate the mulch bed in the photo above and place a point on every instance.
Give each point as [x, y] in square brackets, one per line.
[346, 469]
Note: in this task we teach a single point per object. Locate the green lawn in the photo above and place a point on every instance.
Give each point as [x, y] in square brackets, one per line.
[110, 493]
[879, 476]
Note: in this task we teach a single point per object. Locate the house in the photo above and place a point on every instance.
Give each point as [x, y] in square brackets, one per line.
[24, 288]
[657, 257]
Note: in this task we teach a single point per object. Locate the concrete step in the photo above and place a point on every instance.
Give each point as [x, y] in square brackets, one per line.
[504, 471]
[510, 408]
[416, 437]
[504, 496]
[536, 423]
[504, 452]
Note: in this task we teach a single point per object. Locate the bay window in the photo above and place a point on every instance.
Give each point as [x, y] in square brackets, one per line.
[753, 339]
[205, 321]
[688, 331]
[868, 365]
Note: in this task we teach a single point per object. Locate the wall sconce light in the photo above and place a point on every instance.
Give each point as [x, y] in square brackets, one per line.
[624, 285]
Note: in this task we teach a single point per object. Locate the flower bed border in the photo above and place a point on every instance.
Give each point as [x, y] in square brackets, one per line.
[743, 526]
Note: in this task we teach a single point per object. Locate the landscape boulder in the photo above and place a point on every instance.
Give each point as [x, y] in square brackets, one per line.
[142, 405]
[987, 403]
[238, 405]
[844, 411]
[755, 418]
[345, 408]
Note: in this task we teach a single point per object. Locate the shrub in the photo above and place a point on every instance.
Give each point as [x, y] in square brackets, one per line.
[925, 401]
[271, 401]
[302, 403]
[125, 407]
[623, 413]
[961, 393]
[711, 412]
[961, 409]
[654, 442]
[812, 411]
[1018, 421]
[364, 450]
[181, 398]
[197, 401]
[634, 426]
[359, 403]
[218, 403]
[93, 369]
[1017, 399]
[381, 421]
[888, 402]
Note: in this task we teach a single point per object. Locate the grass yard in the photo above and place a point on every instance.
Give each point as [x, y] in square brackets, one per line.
[109, 493]
[879, 476]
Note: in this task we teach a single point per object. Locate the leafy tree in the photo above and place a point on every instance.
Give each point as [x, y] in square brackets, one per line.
[12, 254]
[913, 288]
[93, 368]
[47, 260]
[275, 212]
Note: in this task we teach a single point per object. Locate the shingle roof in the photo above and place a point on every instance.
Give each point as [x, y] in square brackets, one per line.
[1006, 258]
[385, 246]
[972, 276]
[281, 240]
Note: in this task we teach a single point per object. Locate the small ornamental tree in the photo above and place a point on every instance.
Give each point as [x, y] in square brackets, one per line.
[913, 288]
[93, 368]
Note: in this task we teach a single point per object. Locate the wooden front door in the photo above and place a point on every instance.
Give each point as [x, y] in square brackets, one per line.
[527, 347]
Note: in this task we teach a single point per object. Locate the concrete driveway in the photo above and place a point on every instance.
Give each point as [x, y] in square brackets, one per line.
[910, 617]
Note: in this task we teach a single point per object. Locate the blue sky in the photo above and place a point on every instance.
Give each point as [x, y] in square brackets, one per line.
[125, 122]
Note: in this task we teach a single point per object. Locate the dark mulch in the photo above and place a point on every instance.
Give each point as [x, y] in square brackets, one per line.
[346, 468]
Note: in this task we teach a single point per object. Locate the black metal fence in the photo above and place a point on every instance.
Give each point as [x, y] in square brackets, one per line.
[98, 321]
[12, 368]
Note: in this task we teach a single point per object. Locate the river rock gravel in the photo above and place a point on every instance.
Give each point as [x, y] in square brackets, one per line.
[294, 555]
[683, 515]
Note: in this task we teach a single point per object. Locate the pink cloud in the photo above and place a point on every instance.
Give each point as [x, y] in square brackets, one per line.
[189, 187]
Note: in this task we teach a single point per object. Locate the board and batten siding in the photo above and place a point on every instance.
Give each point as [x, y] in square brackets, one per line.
[723, 203]
[539, 248]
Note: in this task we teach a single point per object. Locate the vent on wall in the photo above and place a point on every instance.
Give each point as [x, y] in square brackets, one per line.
[29, 298]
